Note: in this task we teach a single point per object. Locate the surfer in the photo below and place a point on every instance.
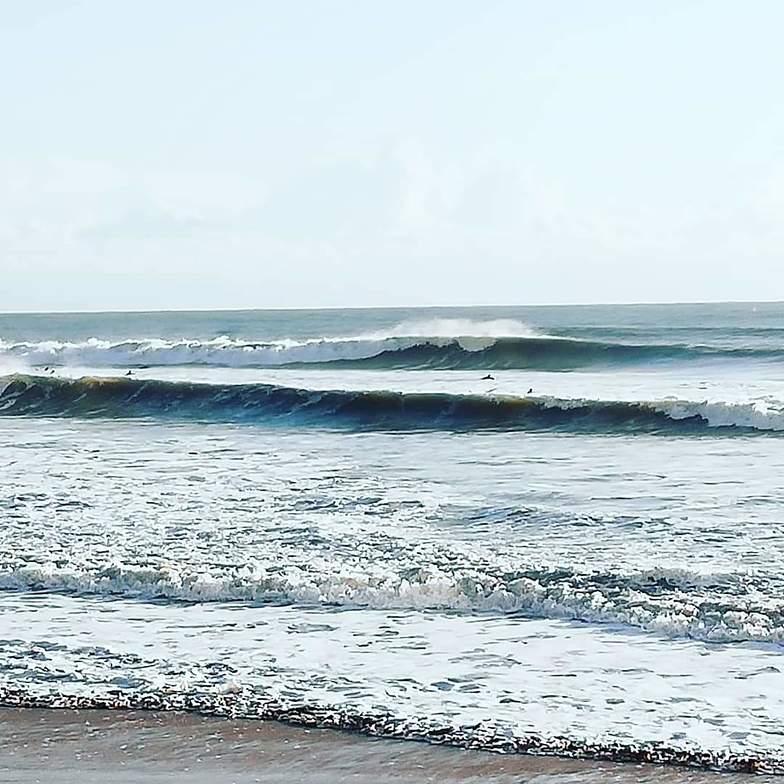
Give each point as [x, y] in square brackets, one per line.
[529, 391]
[488, 377]
[129, 373]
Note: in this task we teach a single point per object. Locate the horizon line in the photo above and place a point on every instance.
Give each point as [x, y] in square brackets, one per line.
[296, 308]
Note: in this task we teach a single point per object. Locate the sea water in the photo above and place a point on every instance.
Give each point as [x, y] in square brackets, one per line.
[526, 522]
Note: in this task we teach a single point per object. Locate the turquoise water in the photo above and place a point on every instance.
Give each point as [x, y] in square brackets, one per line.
[339, 508]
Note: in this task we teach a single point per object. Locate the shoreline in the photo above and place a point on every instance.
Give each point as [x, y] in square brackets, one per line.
[243, 706]
[93, 746]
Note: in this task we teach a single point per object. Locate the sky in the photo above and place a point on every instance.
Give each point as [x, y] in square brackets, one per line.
[254, 153]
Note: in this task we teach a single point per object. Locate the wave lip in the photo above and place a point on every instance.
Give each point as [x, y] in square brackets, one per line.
[29, 395]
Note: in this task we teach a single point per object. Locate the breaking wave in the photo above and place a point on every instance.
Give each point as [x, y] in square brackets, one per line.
[670, 602]
[29, 395]
[468, 351]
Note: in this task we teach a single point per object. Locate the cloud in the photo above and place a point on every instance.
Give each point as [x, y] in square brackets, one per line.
[393, 222]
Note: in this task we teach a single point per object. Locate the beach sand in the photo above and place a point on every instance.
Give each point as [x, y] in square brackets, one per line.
[110, 747]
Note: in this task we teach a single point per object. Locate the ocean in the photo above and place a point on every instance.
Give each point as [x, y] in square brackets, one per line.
[548, 529]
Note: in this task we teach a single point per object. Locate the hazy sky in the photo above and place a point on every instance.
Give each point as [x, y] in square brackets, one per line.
[275, 154]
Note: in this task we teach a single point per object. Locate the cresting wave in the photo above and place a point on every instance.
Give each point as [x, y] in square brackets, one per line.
[29, 395]
[438, 352]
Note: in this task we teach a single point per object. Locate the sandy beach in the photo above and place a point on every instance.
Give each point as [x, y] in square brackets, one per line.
[115, 747]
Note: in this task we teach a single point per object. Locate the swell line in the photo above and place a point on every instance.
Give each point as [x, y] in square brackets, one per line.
[437, 352]
[29, 395]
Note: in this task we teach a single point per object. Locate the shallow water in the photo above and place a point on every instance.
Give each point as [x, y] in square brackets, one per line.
[124, 747]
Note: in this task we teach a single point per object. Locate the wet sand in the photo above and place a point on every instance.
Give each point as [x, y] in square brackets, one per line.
[114, 747]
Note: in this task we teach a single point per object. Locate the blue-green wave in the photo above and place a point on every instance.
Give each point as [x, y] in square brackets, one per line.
[29, 395]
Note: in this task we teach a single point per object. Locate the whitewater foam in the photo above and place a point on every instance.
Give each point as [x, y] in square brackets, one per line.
[670, 602]
[452, 327]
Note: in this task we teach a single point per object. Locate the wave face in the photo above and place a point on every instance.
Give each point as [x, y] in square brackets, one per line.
[395, 351]
[26, 395]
